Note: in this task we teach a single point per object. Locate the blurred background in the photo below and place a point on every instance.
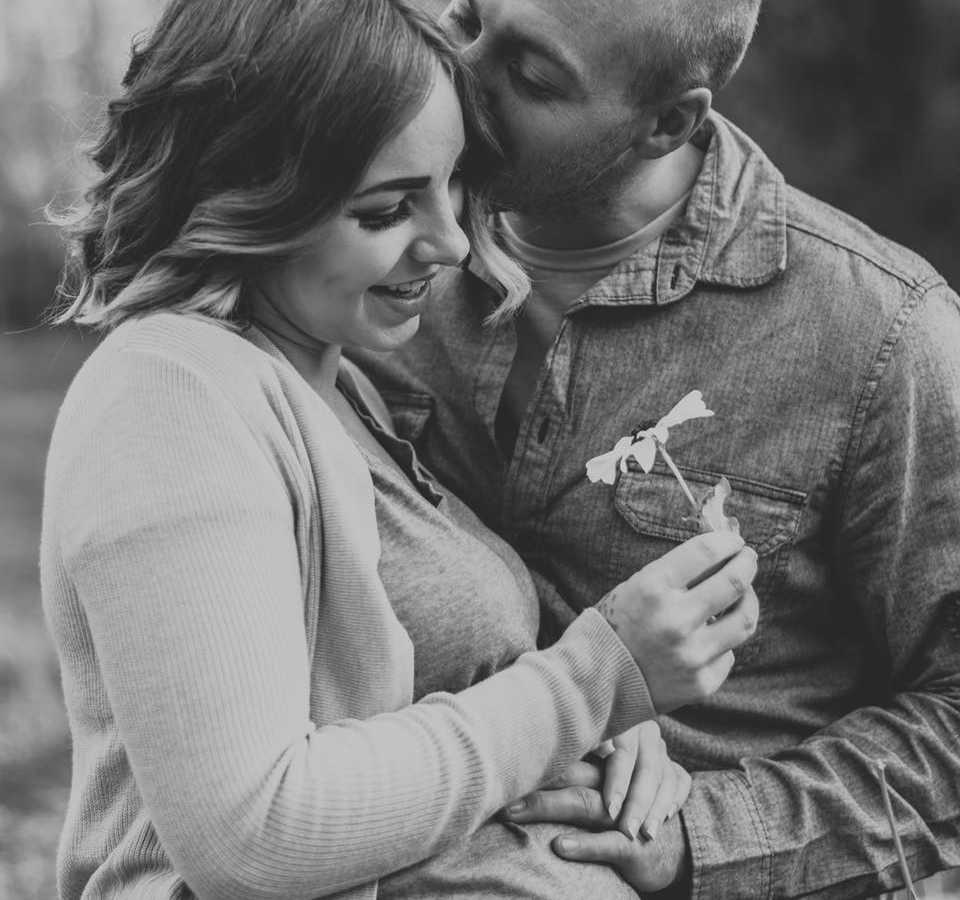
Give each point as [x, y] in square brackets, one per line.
[857, 102]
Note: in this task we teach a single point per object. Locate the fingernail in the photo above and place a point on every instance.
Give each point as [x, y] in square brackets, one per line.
[633, 828]
[650, 831]
[567, 844]
[517, 806]
[615, 805]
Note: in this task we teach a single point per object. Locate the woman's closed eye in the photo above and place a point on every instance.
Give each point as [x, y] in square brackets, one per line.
[381, 219]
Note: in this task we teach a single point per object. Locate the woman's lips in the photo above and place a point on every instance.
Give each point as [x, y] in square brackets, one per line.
[407, 290]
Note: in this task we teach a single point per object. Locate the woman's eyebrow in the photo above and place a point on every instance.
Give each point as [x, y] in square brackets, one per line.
[396, 184]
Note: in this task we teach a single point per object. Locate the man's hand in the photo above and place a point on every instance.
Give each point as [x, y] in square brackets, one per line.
[682, 615]
[647, 866]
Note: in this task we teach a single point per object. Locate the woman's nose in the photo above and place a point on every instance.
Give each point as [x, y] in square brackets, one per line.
[444, 244]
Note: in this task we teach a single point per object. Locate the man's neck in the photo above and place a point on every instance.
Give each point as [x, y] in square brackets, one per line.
[654, 186]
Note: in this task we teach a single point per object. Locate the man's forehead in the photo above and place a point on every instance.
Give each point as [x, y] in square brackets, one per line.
[590, 30]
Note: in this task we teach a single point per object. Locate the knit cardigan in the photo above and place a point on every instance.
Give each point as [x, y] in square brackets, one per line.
[238, 687]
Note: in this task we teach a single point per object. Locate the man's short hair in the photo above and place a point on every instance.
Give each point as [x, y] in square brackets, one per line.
[691, 43]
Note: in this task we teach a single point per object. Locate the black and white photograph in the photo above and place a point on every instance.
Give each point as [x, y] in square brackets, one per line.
[485, 449]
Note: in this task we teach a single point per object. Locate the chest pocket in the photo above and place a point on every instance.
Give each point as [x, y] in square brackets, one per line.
[654, 507]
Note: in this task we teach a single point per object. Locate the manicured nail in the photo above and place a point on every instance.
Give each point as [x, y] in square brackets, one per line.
[615, 805]
[649, 832]
[568, 844]
[517, 806]
[633, 829]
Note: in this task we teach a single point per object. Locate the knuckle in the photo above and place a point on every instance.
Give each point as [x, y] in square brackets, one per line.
[736, 581]
[669, 628]
[583, 800]
[649, 729]
[692, 658]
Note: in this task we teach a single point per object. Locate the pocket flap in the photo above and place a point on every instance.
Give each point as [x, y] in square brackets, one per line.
[654, 504]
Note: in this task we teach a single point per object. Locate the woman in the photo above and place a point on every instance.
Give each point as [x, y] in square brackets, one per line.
[240, 563]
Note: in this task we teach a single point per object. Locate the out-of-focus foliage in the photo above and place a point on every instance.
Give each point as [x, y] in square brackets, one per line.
[57, 58]
[858, 102]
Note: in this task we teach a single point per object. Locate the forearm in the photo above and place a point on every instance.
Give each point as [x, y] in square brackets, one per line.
[810, 821]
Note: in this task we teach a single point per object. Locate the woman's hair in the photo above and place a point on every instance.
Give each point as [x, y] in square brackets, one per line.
[243, 125]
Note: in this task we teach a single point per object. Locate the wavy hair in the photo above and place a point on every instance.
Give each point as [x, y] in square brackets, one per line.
[242, 125]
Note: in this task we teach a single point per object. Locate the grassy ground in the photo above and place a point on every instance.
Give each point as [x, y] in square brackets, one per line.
[34, 745]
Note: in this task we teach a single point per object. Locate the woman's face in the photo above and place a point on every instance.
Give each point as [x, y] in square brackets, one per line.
[367, 278]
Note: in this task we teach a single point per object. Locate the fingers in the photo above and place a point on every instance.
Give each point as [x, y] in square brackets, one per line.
[610, 847]
[663, 802]
[651, 764]
[582, 773]
[718, 592]
[730, 630]
[580, 806]
[619, 768]
[604, 749]
[688, 562]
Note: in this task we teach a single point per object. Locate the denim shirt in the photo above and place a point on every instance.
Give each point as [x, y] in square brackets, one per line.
[831, 358]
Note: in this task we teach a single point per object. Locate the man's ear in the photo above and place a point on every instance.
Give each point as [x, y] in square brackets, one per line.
[676, 122]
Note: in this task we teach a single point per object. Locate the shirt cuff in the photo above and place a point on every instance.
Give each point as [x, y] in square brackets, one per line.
[730, 850]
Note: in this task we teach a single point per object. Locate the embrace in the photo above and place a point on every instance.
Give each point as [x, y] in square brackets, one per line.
[338, 610]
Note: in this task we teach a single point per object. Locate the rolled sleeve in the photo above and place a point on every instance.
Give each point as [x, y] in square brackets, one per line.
[729, 846]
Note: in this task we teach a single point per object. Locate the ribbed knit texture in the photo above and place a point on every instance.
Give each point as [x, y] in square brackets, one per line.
[237, 684]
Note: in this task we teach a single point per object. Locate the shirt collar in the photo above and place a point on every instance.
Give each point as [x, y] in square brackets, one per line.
[732, 234]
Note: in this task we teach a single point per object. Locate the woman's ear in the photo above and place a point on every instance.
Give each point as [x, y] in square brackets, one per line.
[676, 122]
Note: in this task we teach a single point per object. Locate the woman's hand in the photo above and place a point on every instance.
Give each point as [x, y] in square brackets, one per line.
[682, 615]
[635, 788]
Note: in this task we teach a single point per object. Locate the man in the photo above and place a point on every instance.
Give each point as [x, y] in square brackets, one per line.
[667, 254]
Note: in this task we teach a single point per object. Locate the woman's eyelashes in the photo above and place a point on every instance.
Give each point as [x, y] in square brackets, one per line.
[380, 220]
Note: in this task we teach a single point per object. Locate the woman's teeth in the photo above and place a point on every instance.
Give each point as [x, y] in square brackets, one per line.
[409, 290]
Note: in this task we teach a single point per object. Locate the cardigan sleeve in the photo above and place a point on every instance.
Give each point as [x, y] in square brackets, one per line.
[176, 531]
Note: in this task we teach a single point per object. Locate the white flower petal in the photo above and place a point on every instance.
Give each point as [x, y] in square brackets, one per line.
[604, 467]
[644, 452]
[690, 407]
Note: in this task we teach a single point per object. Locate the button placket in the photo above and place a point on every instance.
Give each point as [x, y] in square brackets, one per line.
[533, 457]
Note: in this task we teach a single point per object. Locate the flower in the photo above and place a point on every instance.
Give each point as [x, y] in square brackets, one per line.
[642, 445]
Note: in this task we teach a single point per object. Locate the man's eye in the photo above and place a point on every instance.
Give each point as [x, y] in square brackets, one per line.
[534, 89]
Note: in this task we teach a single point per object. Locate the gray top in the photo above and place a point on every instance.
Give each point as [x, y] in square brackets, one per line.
[463, 595]
[470, 609]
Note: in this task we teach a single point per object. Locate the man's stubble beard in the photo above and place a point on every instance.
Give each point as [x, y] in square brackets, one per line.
[568, 188]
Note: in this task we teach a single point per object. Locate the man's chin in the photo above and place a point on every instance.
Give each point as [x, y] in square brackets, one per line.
[528, 197]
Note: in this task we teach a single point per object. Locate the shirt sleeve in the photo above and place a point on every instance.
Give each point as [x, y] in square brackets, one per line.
[810, 821]
[177, 531]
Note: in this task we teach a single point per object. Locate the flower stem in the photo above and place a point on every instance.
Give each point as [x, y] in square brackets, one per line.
[676, 472]
[888, 808]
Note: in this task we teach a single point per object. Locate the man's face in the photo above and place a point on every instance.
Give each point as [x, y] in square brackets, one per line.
[555, 75]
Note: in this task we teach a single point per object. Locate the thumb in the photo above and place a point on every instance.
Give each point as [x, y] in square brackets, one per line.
[600, 847]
